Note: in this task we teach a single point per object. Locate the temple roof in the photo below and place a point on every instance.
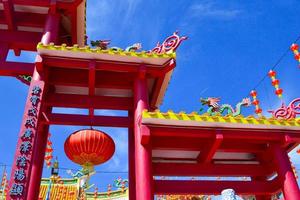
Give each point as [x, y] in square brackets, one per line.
[204, 120]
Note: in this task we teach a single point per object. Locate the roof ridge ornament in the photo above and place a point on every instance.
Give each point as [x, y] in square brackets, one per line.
[287, 112]
[170, 44]
[215, 109]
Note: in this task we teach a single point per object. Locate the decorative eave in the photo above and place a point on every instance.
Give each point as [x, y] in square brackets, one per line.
[223, 122]
[76, 51]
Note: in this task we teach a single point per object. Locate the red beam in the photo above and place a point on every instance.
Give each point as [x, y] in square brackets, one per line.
[228, 170]
[83, 101]
[16, 68]
[114, 80]
[21, 19]
[199, 144]
[46, 3]
[184, 187]
[20, 39]
[177, 143]
[208, 153]
[32, 3]
[30, 19]
[85, 120]
[167, 131]
[255, 136]
[152, 70]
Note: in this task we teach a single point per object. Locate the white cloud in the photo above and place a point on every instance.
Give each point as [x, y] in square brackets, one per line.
[210, 10]
[104, 15]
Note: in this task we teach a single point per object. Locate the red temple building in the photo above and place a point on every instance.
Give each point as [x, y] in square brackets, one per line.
[69, 74]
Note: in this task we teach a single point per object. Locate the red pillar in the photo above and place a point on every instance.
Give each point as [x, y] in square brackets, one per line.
[143, 172]
[38, 161]
[131, 159]
[286, 175]
[261, 197]
[24, 157]
[50, 35]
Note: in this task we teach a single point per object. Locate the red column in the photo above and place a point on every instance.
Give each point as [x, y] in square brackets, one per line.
[261, 197]
[24, 157]
[143, 172]
[38, 161]
[131, 162]
[286, 175]
[50, 35]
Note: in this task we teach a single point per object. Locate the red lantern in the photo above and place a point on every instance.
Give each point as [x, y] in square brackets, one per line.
[258, 110]
[89, 147]
[275, 82]
[272, 73]
[253, 93]
[294, 47]
[278, 91]
[255, 102]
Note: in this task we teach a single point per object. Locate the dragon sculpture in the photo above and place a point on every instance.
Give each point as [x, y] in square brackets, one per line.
[215, 108]
[83, 175]
[103, 45]
[119, 183]
[132, 48]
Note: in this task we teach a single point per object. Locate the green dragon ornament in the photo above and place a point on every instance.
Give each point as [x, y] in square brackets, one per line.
[214, 108]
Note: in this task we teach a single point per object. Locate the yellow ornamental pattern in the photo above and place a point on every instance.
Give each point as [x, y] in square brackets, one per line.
[194, 116]
[88, 49]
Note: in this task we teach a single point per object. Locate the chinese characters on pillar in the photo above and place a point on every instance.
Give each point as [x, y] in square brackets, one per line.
[25, 146]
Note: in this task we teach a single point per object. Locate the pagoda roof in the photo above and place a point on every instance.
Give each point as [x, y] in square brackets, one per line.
[22, 22]
[223, 122]
[120, 55]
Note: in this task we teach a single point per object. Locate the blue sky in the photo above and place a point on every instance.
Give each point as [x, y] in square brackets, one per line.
[231, 46]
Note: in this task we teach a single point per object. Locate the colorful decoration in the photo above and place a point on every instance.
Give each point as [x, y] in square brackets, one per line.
[24, 79]
[109, 189]
[287, 112]
[89, 147]
[4, 184]
[49, 152]
[255, 102]
[294, 48]
[215, 108]
[95, 193]
[121, 183]
[275, 83]
[169, 45]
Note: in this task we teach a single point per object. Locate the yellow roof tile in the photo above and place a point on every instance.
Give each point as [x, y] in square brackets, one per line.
[170, 115]
[88, 49]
